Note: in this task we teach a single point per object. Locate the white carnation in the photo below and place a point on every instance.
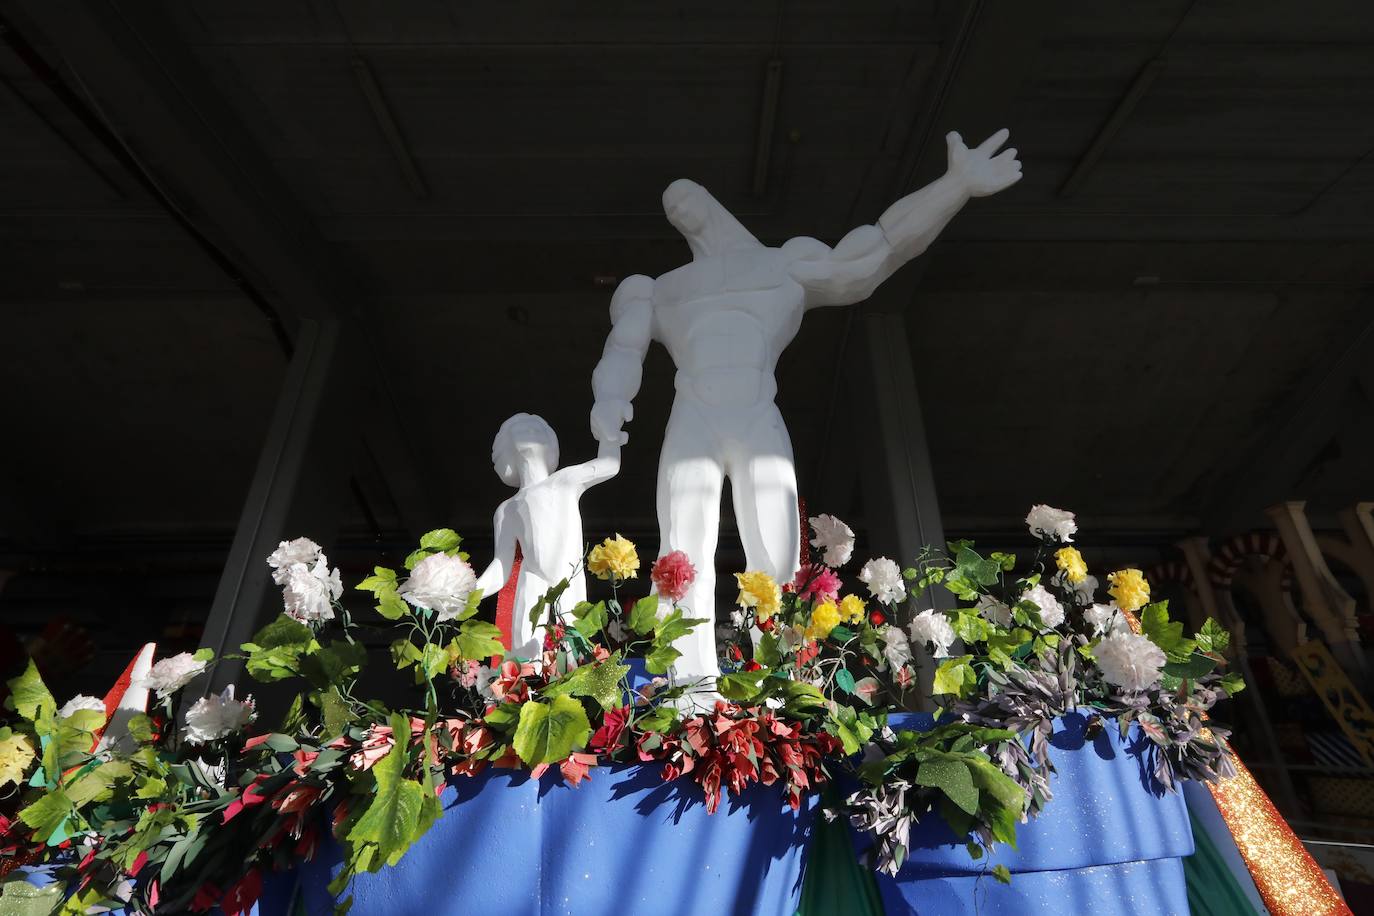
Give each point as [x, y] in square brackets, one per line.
[289, 553]
[1051, 611]
[171, 674]
[80, 702]
[1129, 661]
[217, 716]
[932, 626]
[994, 610]
[1051, 524]
[884, 580]
[441, 584]
[1104, 618]
[834, 537]
[311, 590]
[896, 647]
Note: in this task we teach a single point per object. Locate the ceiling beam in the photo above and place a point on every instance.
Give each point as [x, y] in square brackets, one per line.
[145, 84]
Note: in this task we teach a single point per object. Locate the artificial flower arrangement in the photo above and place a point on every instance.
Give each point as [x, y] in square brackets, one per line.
[168, 819]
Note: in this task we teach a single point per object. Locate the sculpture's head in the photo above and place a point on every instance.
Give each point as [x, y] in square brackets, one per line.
[707, 226]
[523, 435]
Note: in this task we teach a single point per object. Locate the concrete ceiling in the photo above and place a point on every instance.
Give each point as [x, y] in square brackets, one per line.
[1128, 331]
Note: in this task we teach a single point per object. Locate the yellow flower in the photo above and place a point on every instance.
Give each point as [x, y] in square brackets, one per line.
[1070, 561]
[852, 609]
[613, 557]
[16, 753]
[824, 618]
[758, 591]
[1129, 589]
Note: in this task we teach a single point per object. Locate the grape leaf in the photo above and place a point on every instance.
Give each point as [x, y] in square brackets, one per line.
[549, 732]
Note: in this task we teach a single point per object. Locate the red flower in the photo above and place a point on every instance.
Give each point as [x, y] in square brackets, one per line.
[206, 898]
[607, 738]
[752, 665]
[240, 898]
[376, 745]
[817, 583]
[673, 574]
[877, 618]
[576, 766]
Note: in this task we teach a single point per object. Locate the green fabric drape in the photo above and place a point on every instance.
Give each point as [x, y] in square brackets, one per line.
[835, 883]
[1212, 889]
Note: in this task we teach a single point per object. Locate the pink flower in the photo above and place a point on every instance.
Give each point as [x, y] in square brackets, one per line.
[376, 745]
[673, 574]
[820, 584]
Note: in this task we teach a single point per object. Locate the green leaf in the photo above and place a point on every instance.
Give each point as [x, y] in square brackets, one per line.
[1195, 667]
[338, 663]
[741, 686]
[591, 619]
[549, 732]
[1233, 683]
[392, 606]
[294, 721]
[381, 581]
[1213, 637]
[845, 680]
[675, 626]
[1002, 874]
[661, 659]
[336, 713]
[29, 696]
[954, 675]
[49, 812]
[971, 627]
[203, 655]
[404, 653]
[414, 557]
[478, 640]
[644, 615]
[433, 659]
[141, 728]
[950, 776]
[276, 649]
[1167, 634]
[392, 819]
[440, 540]
[768, 651]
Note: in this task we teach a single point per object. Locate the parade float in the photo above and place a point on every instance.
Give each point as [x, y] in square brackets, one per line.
[589, 747]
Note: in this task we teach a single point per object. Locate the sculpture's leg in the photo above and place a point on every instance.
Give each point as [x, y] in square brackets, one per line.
[690, 476]
[763, 481]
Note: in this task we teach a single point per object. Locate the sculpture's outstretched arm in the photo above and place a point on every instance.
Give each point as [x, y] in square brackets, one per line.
[498, 571]
[864, 258]
[615, 381]
[600, 469]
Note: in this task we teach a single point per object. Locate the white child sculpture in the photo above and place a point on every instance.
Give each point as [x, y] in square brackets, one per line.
[726, 318]
[543, 518]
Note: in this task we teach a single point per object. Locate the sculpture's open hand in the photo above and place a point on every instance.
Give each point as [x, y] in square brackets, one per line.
[608, 418]
[981, 172]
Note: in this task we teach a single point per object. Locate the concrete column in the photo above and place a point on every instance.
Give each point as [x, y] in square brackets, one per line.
[298, 488]
[1323, 598]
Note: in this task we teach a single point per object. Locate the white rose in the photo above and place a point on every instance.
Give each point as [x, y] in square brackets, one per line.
[171, 674]
[884, 580]
[1129, 661]
[1051, 611]
[994, 610]
[932, 626]
[1051, 524]
[215, 717]
[896, 647]
[289, 553]
[834, 537]
[441, 584]
[310, 591]
[80, 702]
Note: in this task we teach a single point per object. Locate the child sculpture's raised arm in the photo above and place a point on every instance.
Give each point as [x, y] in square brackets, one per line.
[541, 523]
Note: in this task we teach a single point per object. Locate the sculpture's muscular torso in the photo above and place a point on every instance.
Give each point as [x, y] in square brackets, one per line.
[725, 318]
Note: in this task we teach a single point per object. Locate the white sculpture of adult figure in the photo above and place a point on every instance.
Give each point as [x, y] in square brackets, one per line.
[726, 318]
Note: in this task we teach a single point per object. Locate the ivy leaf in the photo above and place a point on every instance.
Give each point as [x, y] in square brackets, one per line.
[741, 686]
[1213, 637]
[340, 662]
[1002, 874]
[1233, 683]
[479, 640]
[547, 600]
[29, 696]
[548, 732]
[768, 652]
[404, 653]
[590, 618]
[49, 812]
[644, 615]
[1195, 667]
[336, 713]
[661, 659]
[1167, 634]
[954, 675]
[599, 681]
[276, 649]
[440, 540]
[673, 627]
[382, 580]
[16, 753]
[971, 627]
[950, 776]
[392, 606]
[391, 821]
